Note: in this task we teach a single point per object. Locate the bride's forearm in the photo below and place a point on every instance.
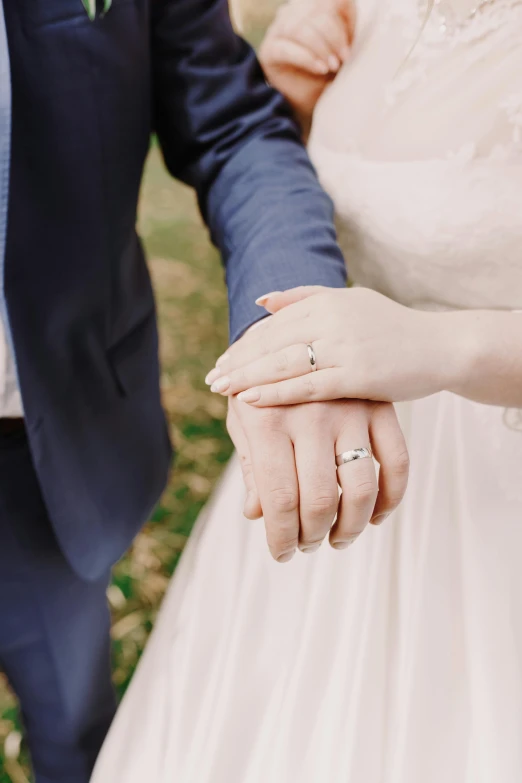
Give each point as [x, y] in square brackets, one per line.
[484, 355]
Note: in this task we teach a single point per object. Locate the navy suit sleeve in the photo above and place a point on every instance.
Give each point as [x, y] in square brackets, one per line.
[224, 131]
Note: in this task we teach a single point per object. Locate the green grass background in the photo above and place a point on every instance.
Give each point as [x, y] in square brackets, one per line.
[191, 295]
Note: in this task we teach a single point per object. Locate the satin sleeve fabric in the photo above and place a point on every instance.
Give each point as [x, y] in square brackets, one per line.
[224, 131]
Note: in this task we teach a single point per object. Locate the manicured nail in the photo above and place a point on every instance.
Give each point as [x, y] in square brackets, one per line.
[222, 359]
[261, 300]
[378, 520]
[321, 68]
[212, 376]
[309, 550]
[333, 63]
[221, 385]
[286, 557]
[250, 395]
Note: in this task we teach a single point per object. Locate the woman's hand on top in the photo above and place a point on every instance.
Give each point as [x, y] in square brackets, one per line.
[305, 47]
[366, 347]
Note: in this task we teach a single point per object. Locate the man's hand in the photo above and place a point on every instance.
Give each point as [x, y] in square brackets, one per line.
[288, 460]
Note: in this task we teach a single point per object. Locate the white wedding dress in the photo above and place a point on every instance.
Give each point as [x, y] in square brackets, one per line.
[400, 660]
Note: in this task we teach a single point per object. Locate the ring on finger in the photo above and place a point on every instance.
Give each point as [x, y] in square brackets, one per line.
[312, 357]
[352, 455]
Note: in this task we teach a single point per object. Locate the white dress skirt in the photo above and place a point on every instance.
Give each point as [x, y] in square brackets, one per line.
[400, 659]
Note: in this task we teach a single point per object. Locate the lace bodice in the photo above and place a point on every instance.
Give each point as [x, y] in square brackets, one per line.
[419, 141]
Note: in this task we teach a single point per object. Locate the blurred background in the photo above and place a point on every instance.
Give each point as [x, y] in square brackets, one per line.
[193, 317]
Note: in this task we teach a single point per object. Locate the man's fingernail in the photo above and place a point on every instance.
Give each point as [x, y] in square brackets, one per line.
[321, 68]
[378, 520]
[261, 301]
[250, 395]
[212, 376]
[286, 557]
[345, 544]
[222, 358]
[333, 63]
[221, 385]
[309, 550]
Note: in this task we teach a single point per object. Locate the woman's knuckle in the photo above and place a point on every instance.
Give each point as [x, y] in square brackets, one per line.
[281, 362]
[239, 378]
[309, 389]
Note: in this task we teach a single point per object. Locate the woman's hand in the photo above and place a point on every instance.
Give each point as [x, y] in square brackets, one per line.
[366, 347]
[304, 48]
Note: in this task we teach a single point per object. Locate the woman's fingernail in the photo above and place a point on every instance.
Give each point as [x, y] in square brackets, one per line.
[333, 63]
[378, 520]
[286, 557]
[222, 358]
[261, 300]
[321, 68]
[212, 376]
[309, 550]
[250, 395]
[221, 385]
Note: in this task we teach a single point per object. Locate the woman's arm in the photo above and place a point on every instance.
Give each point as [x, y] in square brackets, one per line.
[490, 343]
[304, 49]
[369, 347]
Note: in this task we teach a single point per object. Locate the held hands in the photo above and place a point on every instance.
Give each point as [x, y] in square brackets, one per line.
[366, 347]
[305, 47]
[288, 460]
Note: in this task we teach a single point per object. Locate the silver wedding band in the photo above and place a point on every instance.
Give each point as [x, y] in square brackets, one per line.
[351, 456]
[312, 357]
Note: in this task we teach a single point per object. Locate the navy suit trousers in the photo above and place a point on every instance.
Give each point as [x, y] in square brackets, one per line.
[54, 630]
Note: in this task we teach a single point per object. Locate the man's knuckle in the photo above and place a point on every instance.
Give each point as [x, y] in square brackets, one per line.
[270, 419]
[392, 501]
[364, 492]
[283, 499]
[401, 463]
[286, 540]
[246, 463]
[321, 503]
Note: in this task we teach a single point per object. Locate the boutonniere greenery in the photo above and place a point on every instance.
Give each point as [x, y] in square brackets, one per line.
[90, 7]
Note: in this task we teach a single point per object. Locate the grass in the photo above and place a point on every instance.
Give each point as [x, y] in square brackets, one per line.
[192, 303]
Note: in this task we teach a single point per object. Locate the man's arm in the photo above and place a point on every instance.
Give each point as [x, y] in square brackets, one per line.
[224, 131]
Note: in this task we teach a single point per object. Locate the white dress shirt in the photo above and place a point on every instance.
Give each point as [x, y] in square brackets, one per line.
[10, 397]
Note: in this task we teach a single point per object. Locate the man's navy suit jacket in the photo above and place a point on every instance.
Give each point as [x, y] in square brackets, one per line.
[86, 97]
